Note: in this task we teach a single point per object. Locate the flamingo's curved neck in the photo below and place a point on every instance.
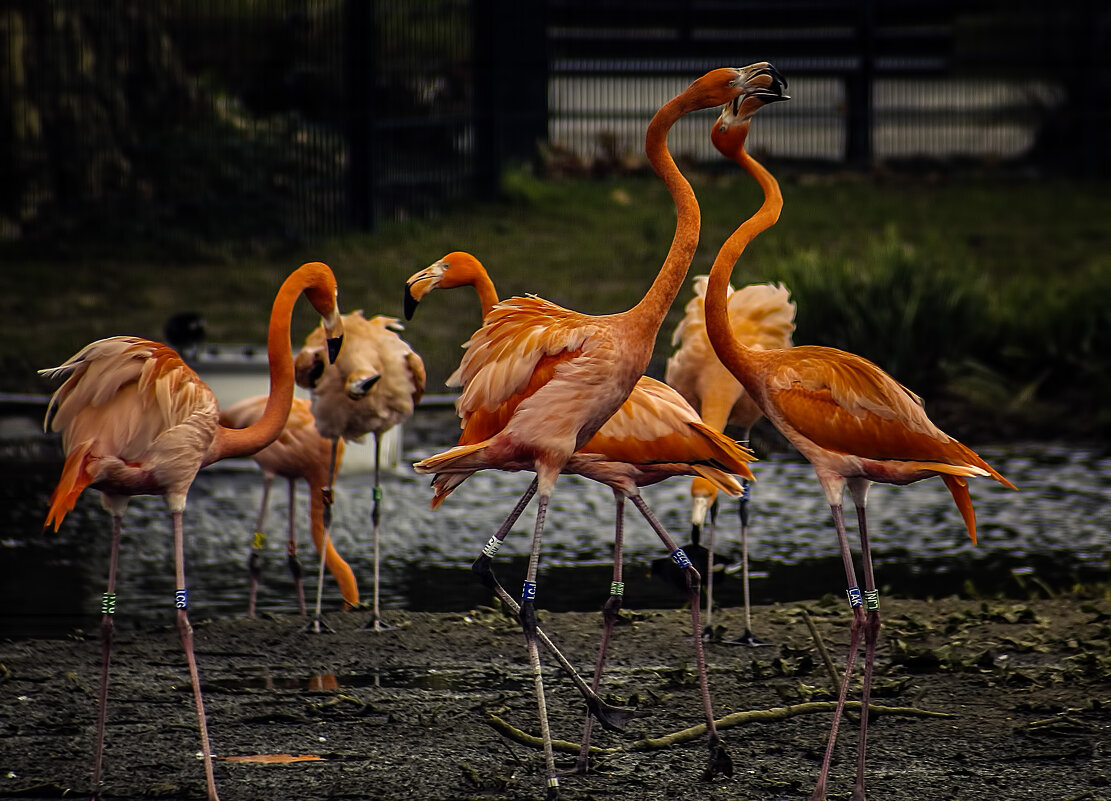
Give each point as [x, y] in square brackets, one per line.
[233, 442]
[484, 286]
[738, 358]
[650, 311]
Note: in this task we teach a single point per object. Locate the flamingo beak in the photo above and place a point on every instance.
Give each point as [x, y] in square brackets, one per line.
[334, 345]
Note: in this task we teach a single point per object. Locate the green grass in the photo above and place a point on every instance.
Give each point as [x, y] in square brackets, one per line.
[987, 296]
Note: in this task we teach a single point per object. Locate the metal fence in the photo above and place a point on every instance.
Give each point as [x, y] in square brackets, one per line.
[271, 119]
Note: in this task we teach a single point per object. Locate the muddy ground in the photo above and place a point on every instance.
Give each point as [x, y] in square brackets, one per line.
[1024, 687]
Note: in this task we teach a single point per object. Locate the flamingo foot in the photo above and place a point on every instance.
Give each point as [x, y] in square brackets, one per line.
[747, 638]
[613, 718]
[317, 626]
[377, 624]
[719, 762]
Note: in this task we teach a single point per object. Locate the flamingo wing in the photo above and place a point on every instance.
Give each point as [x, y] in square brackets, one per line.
[846, 404]
[656, 425]
[134, 419]
[521, 346]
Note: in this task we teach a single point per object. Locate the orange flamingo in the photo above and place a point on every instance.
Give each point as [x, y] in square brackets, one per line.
[540, 380]
[136, 420]
[374, 385]
[762, 316]
[299, 452]
[851, 420]
[653, 436]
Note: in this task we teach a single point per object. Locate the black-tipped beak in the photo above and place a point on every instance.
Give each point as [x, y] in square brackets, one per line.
[363, 387]
[774, 91]
[334, 345]
[410, 303]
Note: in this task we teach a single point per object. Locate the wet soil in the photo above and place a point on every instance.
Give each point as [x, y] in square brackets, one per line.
[992, 700]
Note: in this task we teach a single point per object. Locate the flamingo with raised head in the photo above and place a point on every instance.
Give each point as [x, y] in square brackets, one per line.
[655, 435]
[374, 385]
[539, 380]
[136, 420]
[852, 421]
[299, 452]
[762, 316]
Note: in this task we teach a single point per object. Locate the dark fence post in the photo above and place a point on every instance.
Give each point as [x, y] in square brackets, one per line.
[858, 90]
[509, 48]
[358, 61]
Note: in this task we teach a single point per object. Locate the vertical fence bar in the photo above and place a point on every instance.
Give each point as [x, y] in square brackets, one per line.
[359, 58]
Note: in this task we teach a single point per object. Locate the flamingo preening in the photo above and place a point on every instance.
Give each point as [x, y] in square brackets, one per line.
[852, 421]
[299, 452]
[539, 380]
[654, 435]
[136, 420]
[374, 384]
[762, 316]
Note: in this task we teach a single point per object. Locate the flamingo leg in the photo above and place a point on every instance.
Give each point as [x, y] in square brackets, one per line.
[528, 624]
[611, 717]
[258, 545]
[747, 638]
[719, 761]
[328, 492]
[294, 561]
[711, 538]
[871, 637]
[185, 630]
[107, 631]
[376, 518]
[610, 611]
[857, 604]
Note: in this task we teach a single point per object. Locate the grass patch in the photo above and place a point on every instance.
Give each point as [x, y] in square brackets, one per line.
[989, 297]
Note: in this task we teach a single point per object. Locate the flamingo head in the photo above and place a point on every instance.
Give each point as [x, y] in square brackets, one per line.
[358, 384]
[456, 269]
[703, 495]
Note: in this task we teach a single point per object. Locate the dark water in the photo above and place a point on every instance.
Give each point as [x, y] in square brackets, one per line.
[1050, 535]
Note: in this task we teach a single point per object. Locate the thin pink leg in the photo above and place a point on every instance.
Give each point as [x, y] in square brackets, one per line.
[258, 543]
[719, 761]
[186, 631]
[610, 611]
[611, 717]
[292, 559]
[871, 637]
[107, 631]
[857, 603]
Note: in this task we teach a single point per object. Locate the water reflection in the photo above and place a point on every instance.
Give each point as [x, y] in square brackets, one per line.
[1055, 530]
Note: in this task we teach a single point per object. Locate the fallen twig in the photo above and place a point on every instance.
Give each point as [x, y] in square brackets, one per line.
[820, 644]
[694, 732]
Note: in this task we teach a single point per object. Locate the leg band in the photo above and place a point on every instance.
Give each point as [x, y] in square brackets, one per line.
[377, 494]
[491, 547]
[108, 603]
[872, 600]
[855, 598]
[617, 588]
[528, 591]
[680, 558]
[259, 542]
[181, 598]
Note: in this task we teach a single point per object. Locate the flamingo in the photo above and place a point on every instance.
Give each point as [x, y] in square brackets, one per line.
[761, 316]
[374, 385]
[854, 423]
[299, 452]
[653, 436]
[136, 420]
[539, 380]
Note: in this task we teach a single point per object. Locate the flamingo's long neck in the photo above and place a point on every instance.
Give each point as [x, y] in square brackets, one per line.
[484, 286]
[648, 314]
[739, 359]
[233, 442]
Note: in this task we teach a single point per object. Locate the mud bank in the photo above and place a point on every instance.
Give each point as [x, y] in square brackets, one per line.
[412, 712]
